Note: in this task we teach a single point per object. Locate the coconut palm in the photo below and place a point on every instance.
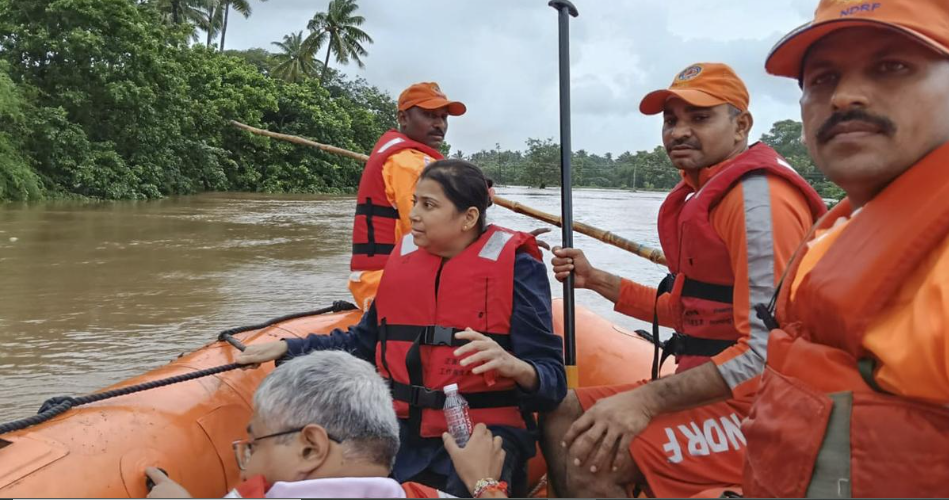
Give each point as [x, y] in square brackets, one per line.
[338, 28]
[296, 62]
[212, 18]
[241, 6]
[180, 11]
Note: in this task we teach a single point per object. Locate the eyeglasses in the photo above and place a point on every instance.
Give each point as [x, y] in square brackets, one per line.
[244, 448]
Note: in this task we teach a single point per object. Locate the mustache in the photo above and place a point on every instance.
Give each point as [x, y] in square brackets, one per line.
[437, 131]
[886, 126]
[690, 142]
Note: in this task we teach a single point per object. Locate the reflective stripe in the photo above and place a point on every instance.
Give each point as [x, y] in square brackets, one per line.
[492, 249]
[389, 144]
[408, 245]
[760, 252]
[741, 369]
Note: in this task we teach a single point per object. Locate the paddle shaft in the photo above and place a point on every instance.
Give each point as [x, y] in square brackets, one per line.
[565, 9]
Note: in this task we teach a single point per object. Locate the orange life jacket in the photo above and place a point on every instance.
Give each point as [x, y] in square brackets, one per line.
[376, 218]
[422, 302]
[819, 426]
[698, 256]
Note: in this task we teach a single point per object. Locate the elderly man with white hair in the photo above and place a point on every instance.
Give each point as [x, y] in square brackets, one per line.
[324, 426]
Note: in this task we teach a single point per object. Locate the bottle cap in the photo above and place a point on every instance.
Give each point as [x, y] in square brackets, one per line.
[451, 388]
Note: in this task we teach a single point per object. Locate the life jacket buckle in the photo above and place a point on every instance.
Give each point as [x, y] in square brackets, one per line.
[438, 336]
[423, 397]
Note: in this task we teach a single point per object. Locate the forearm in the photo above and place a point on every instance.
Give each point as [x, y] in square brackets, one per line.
[699, 386]
[605, 284]
[527, 378]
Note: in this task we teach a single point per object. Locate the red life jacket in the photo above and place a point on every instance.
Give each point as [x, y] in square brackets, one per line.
[422, 302]
[374, 227]
[819, 426]
[700, 259]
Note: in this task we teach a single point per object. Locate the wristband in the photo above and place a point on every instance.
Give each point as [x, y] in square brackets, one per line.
[488, 484]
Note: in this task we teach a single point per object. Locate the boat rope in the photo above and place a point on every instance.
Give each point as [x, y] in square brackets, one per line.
[228, 335]
[58, 405]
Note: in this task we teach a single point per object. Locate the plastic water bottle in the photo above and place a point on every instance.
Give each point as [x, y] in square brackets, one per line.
[456, 414]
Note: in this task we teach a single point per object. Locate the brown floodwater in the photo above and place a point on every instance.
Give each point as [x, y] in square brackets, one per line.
[93, 293]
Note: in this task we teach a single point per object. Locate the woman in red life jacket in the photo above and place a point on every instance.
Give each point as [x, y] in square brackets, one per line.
[461, 302]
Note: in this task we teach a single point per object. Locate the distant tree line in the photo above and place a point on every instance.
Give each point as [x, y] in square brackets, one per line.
[538, 165]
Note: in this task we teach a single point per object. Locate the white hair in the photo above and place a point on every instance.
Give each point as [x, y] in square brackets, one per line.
[343, 394]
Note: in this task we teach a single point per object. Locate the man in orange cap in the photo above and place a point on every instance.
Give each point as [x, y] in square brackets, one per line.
[388, 182]
[728, 229]
[855, 397]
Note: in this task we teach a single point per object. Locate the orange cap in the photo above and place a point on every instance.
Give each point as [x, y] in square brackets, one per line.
[925, 20]
[427, 95]
[702, 84]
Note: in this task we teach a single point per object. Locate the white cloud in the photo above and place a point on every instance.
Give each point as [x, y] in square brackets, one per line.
[500, 58]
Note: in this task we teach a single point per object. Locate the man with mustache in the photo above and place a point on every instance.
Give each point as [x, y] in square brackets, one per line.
[855, 397]
[728, 229]
[384, 199]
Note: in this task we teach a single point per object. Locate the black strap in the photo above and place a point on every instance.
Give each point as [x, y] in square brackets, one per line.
[420, 397]
[413, 363]
[383, 343]
[437, 335]
[681, 344]
[707, 291]
[765, 313]
[369, 210]
[371, 249]
[665, 286]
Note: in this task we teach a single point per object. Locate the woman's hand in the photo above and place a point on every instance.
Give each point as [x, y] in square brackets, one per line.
[537, 232]
[254, 355]
[164, 486]
[488, 355]
[481, 458]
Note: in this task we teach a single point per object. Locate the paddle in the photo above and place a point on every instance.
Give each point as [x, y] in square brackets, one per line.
[566, 9]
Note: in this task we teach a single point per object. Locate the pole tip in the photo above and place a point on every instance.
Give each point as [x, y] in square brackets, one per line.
[564, 4]
[573, 377]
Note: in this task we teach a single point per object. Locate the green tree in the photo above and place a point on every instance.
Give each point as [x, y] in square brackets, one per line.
[296, 62]
[256, 57]
[786, 138]
[542, 163]
[18, 181]
[338, 28]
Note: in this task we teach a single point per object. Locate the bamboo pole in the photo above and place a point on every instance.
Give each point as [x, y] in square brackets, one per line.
[301, 141]
[651, 254]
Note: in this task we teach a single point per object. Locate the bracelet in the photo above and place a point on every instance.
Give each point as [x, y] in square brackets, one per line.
[488, 484]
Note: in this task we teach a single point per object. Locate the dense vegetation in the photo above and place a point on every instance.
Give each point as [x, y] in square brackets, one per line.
[132, 99]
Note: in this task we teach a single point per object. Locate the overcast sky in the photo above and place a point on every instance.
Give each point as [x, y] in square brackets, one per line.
[500, 58]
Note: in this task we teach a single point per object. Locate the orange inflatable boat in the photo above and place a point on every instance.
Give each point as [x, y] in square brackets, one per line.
[101, 449]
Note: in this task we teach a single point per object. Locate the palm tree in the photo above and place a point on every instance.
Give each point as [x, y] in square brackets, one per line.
[181, 11]
[296, 62]
[212, 17]
[338, 27]
[241, 6]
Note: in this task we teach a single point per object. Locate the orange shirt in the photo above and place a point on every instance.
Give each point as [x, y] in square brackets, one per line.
[401, 172]
[908, 337]
[790, 220]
